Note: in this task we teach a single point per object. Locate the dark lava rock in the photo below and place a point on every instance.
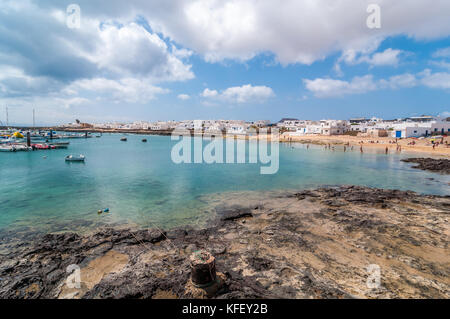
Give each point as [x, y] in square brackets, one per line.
[260, 264]
[233, 212]
[430, 164]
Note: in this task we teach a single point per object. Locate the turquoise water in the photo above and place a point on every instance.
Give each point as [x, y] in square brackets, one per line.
[141, 186]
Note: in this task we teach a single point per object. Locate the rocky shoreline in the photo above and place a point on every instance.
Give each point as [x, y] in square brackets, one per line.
[430, 164]
[309, 244]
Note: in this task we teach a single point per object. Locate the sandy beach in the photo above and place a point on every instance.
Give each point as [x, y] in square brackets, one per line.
[420, 145]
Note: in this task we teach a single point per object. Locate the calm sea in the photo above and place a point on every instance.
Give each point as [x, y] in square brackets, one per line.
[141, 185]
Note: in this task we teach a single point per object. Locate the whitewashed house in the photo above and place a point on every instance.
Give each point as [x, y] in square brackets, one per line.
[413, 127]
[333, 127]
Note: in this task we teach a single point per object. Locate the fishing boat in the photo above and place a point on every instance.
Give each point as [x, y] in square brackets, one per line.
[123, 139]
[42, 146]
[75, 158]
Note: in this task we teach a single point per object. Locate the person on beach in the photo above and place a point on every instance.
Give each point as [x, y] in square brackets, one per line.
[361, 149]
[345, 149]
[387, 150]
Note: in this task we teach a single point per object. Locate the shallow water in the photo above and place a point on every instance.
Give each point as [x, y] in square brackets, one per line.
[141, 185]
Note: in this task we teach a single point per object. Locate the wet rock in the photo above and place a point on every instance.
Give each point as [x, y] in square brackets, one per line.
[259, 263]
[233, 212]
[430, 164]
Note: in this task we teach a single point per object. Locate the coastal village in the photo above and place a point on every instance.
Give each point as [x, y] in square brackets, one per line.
[421, 126]
[418, 134]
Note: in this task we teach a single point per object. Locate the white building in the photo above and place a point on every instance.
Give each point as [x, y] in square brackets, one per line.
[290, 124]
[415, 128]
[236, 129]
[334, 127]
[262, 123]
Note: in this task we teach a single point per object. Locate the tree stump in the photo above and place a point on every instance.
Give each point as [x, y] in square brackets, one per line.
[203, 268]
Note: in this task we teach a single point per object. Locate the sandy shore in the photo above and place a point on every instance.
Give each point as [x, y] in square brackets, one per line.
[421, 145]
[308, 244]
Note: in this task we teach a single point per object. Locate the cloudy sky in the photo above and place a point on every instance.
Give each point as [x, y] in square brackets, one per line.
[232, 59]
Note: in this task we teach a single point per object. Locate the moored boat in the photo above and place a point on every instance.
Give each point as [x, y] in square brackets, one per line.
[75, 158]
[6, 148]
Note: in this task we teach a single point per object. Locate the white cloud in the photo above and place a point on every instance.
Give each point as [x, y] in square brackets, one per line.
[127, 90]
[209, 93]
[437, 80]
[40, 56]
[133, 51]
[298, 31]
[241, 94]
[387, 57]
[441, 64]
[442, 53]
[406, 80]
[326, 88]
[183, 97]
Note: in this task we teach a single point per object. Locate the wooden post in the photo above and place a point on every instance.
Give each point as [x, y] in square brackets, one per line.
[28, 139]
[203, 268]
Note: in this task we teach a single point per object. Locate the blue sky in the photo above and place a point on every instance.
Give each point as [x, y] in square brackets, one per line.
[210, 59]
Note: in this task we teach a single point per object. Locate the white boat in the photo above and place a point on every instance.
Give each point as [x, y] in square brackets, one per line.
[15, 148]
[75, 158]
[6, 148]
[21, 148]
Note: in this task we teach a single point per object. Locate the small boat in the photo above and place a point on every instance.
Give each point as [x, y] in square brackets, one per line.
[144, 140]
[123, 139]
[21, 148]
[7, 148]
[60, 143]
[58, 147]
[75, 158]
[42, 147]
